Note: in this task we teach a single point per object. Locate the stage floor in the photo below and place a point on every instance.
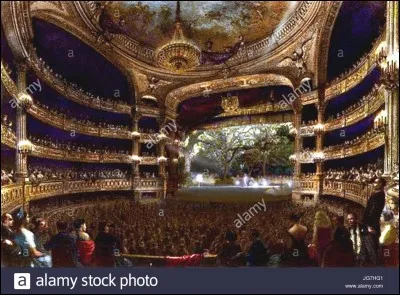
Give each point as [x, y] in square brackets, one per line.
[234, 194]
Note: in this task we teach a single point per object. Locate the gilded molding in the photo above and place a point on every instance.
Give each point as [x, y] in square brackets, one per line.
[249, 120]
[175, 97]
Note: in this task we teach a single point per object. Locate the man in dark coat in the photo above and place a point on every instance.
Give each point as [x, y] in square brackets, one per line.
[369, 253]
[258, 253]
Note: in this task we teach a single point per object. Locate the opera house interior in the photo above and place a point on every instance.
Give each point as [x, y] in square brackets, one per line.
[199, 133]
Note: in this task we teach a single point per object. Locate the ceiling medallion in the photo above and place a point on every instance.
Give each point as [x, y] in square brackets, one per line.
[230, 103]
[179, 54]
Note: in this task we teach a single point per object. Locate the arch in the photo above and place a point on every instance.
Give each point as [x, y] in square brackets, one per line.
[175, 97]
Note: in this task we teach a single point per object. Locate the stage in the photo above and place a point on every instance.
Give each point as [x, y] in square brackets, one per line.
[235, 194]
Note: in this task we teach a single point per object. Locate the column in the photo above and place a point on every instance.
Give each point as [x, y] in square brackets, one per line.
[135, 152]
[390, 79]
[21, 156]
[298, 145]
[319, 133]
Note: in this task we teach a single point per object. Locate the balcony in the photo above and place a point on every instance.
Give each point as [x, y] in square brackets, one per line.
[65, 155]
[64, 123]
[353, 191]
[356, 75]
[150, 184]
[8, 137]
[68, 91]
[365, 145]
[373, 104]
[12, 196]
[305, 186]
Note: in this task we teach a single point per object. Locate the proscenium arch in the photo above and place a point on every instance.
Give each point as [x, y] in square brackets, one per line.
[177, 96]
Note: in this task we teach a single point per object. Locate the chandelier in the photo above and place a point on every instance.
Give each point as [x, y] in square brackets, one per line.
[179, 54]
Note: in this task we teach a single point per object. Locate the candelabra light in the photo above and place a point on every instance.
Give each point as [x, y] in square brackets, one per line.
[161, 159]
[25, 147]
[293, 158]
[318, 157]
[319, 128]
[136, 159]
[293, 131]
[381, 120]
[389, 65]
[135, 134]
[25, 101]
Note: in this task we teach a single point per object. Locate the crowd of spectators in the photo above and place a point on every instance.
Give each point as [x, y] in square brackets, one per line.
[7, 176]
[82, 119]
[148, 154]
[148, 175]
[40, 173]
[7, 123]
[359, 139]
[196, 228]
[364, 174]
[363, 101]
[147, 130]
[75, 147]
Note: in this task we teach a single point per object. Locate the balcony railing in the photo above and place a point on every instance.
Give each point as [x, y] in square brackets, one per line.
[305, 186]
[63, 122]
[57, 154]
[354, 191]
[150, 184]
[13, 195]
[8, 137]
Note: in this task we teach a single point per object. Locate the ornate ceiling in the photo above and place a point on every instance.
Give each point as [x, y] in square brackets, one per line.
[221, 22]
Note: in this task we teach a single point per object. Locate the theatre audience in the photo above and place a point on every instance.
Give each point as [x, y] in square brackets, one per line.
[364, 174]
[85, 245]
[41, 236]
[106, 246]
[257, 254]
[369, 253]
[71, 146]
[25, 239]
[197, 228]
[230, 252]
[355, 229]
[323, 233]
[63, 247]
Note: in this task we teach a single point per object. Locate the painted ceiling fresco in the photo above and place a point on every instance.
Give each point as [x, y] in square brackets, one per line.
[221, 22]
